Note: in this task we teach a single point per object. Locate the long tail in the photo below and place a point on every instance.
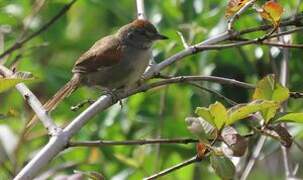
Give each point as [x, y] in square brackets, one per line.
[64, 92]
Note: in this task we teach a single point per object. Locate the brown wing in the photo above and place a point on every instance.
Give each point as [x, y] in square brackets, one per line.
[105, 52]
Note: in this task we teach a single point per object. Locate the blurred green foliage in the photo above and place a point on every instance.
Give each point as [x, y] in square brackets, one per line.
[156, 113]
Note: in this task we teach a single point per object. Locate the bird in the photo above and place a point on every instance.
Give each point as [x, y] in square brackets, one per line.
[114, 62]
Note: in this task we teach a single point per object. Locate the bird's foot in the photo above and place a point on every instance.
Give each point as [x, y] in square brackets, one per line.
[139, 82]
[114, 95]
[81, 104]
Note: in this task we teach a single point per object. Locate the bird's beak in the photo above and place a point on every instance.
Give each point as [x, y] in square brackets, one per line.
[160, 37]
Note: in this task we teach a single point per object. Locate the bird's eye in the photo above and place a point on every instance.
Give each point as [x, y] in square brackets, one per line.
[130, 35]
[141, 31]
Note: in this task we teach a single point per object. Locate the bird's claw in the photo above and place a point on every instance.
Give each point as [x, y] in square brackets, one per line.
[114, 96]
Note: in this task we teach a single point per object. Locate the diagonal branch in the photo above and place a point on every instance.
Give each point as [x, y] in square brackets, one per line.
[256, 152]
[34, 103]
[174, 168]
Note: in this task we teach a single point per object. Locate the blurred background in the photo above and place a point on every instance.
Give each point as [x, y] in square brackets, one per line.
[158, 113]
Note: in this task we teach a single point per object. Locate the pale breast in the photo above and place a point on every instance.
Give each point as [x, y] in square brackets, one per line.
[125, 73]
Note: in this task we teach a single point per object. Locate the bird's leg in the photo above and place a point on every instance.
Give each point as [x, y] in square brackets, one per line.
[139, 82]
[113, 93]
[81, 104]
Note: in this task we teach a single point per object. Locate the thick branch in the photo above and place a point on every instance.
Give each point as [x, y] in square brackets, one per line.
[140, 9]
[34, 103]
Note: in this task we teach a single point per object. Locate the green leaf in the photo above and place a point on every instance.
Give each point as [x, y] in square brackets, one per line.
[219, 113]
[215, 114]
[291, 117]
[269, 89]
[222, 166]
[204, 113]
[242, 111]
[7, 83]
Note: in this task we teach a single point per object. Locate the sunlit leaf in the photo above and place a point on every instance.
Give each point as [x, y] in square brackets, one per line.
[242, 111]
[269, 89]
[10, 82]
[204, 113]
[272, 11]
[219, 113]
[215, 114]
[234, 6]
[291, 117]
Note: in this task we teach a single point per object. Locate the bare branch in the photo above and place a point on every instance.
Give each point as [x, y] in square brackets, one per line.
[284, 74]
[185, 45]
[34, 103]
[140, 9]
[221, 96]
[174, 168]
[100, 143]
[254, 157]
[219, 80]
[296, 95]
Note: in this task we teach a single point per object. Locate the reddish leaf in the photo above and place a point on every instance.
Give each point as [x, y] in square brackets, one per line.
[272, 11]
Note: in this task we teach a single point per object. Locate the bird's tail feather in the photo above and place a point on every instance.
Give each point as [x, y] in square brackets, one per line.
[64, 92]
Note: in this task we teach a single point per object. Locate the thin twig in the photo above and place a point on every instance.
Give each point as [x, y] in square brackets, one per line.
[159, 127]
[290, 21]
[185, 44]
[215, 79]
[174, 168]
[284, 74]
[20, 43]
[100, 143]
[296, 95]
[228, 100]
[254, 157]
[38, 4]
